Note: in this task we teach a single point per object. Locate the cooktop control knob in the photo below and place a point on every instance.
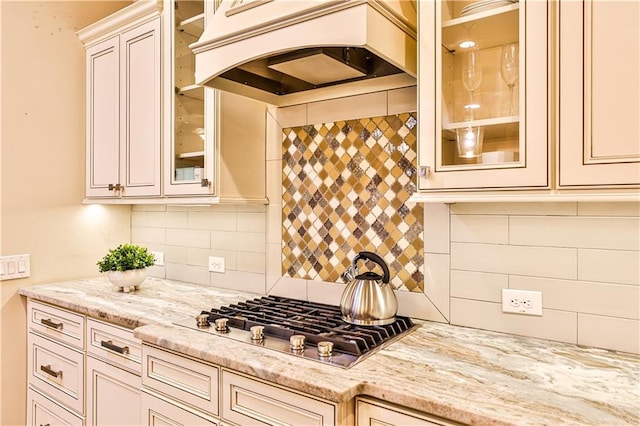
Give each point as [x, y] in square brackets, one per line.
[257, 333]
[221, 325]
[325, 349]
[202, 320]
[296, 342]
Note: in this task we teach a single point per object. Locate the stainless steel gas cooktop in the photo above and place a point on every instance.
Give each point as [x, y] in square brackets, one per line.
[301, 328]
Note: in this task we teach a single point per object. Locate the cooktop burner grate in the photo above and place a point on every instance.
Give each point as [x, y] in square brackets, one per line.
[281, 318]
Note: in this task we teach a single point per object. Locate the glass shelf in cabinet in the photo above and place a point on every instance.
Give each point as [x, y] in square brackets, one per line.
[194, 154]
[193, 91]
[482, 123]
[491, 28]
[192, 26]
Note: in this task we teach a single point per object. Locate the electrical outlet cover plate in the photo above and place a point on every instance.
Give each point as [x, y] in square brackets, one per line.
[159, 258]
[524, 302]
[216, 264]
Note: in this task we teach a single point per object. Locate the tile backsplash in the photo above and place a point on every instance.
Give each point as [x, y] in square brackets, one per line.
[188, 235]
[345, 189]
[584, 257]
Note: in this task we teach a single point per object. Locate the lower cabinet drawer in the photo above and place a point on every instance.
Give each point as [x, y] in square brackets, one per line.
[56, 370]
[158, 411]
[249, 401]
[56, 324]
[114, 344]
[374, 412]
[43, 411]
[182, 378]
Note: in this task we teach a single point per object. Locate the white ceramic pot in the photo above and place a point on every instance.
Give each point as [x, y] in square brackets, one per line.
[127, 280]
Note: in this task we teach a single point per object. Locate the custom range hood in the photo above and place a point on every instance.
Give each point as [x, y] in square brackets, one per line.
[285, 52]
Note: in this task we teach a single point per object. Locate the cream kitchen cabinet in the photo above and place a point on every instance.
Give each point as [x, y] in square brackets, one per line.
[214, 142]
[482, 128]
[113, 395]
[55, 358]
[123, 72]
[153, 136]
[113, 375]
[599, 94]
[370, 411]
[182, 390]
[77, 377]
[43, 411]
[158, 410]
[567, 132]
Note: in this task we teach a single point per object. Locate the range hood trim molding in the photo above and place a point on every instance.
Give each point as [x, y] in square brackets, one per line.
[363, 24]
[208, 42]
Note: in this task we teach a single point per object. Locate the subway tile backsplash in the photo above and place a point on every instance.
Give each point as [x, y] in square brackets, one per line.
[189, 235]
[584, 257]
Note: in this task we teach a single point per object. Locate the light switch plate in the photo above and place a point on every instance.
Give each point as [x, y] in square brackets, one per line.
[16, 266]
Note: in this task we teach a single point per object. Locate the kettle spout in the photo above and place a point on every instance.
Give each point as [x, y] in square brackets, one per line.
[349, 274]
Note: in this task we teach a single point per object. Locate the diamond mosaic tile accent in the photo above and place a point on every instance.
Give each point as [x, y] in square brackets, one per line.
[345, 189]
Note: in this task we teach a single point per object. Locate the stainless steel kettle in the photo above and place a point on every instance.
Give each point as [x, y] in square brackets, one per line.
[368, 299]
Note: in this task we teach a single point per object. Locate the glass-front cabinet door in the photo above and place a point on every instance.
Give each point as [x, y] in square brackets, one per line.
[483, 95]
[189, 117]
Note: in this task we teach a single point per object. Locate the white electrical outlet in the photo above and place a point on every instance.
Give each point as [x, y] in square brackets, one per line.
[159, 256]
[216, 264]
[525, 302]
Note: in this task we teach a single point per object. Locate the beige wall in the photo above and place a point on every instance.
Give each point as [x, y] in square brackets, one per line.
[42, 169]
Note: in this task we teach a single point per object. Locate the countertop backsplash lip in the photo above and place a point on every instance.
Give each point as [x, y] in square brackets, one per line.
[463, 374]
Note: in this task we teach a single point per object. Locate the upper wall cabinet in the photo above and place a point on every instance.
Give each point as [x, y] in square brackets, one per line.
[123, 106]
[599, 102]
[483, 95]
[188, 135]
[523, 100]
[214, 142]
[153, 136]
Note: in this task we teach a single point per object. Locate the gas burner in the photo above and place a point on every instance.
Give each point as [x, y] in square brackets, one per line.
[310, 330]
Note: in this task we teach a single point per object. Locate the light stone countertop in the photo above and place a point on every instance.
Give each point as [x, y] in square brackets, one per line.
[467, 375]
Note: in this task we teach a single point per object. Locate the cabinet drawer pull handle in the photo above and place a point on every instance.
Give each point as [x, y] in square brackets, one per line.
[48, 424]
[120, 349]
[49, 323]
[47, 369]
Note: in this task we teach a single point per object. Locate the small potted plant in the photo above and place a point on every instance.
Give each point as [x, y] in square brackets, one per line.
[126, 266]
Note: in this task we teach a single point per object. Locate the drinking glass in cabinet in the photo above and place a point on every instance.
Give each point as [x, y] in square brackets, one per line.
[509, 68]
[480, 69]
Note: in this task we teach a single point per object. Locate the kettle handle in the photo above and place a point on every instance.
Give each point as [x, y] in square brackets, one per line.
[374, 258]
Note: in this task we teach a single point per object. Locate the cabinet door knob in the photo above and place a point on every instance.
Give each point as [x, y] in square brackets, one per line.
[425, 171]
[204, 182]
[47, 369]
